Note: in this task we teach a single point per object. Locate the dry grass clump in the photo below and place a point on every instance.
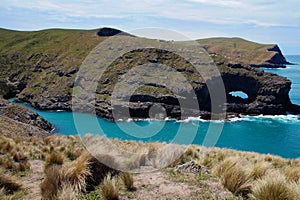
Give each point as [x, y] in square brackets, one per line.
[51, 183]
[260, 169]
[273, 187]
[19, 156]
[6, 145]
[99, 170]
[109, 188]
[292, 173]
[67, 192]
[234, 176]
[8, 183]
[75, 173]
[127, 180]
[168, 156]
[83, 174]
[54, 158]
[212, 157]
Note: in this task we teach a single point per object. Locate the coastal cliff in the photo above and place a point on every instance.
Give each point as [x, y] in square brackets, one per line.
[40, 68]
[19, 121]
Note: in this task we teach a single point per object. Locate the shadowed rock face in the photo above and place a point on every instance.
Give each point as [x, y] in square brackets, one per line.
[277, 58]
[104, 32]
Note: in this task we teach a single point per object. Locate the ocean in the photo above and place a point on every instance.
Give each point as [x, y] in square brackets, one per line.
[278, 135]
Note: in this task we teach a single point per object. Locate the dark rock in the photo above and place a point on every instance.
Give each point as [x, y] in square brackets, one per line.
[24, 115]
[71, 72]
[277, 58]
[60, 73]
[110, 32]
[192, 167]
[235, 65]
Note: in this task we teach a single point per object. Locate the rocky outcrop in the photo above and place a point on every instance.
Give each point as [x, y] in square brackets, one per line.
[24, 115]
[277, 58]
[267, 93]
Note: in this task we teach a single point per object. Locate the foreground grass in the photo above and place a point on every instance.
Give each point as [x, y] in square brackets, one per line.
[72, 173]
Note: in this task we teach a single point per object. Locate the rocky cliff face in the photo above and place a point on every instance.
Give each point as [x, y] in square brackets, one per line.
[46, 79]
[32, 123]
[267, 92]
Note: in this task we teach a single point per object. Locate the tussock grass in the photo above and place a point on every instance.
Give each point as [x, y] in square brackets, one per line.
[109, 188]
[238, 171]
[168, 155]
[259, 170]
[127, 180]
[99, 170]
[51, 183]
[19, 156]
[234, 176]
[273, 187]
[292, 173]
[75, 173]
[67, 192]
[8, 183]
[54, 158]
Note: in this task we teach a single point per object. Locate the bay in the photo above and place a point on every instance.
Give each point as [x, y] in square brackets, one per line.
[278, 135]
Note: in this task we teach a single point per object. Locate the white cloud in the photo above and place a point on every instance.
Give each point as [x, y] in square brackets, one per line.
[221, 3]
[259, 12]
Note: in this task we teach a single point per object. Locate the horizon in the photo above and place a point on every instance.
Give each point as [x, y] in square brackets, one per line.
[259, 21]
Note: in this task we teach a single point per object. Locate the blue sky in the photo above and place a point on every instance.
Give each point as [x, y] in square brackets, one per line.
[268, 21]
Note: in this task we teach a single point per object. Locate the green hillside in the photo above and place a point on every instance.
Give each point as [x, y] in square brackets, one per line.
[238, 50]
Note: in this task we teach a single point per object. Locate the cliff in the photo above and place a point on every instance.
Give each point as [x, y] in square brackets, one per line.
[40, 68]
[17, 121]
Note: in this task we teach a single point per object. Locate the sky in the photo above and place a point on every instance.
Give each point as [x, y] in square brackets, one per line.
[264, 21]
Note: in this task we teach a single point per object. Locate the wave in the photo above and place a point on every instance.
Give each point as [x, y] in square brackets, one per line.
[272, 118]
[247, 118]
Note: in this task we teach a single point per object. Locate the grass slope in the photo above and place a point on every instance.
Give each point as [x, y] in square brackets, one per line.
[238, 50]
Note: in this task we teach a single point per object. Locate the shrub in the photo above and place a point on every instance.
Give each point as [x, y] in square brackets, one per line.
[109, 188]
[127, 179]
[273, 187]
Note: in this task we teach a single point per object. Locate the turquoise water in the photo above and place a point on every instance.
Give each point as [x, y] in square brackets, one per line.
[279, 135]
[293, 73]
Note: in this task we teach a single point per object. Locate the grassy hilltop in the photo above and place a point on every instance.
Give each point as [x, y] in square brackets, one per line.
[238, 50]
